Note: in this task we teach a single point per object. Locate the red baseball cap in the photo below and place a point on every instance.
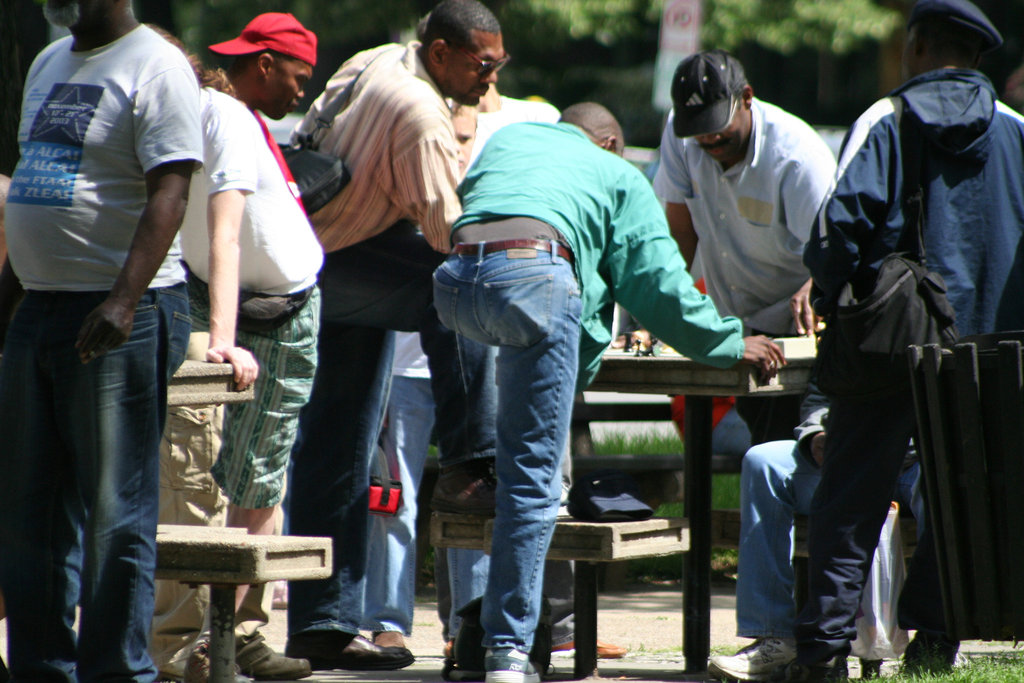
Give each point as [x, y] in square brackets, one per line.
[273, 31]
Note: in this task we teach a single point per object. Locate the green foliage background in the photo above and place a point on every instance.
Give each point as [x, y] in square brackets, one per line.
[824, 60]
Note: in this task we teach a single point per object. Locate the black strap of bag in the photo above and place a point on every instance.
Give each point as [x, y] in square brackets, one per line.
[321, 176]
[912, 158]
[335, 106]
[862, 351]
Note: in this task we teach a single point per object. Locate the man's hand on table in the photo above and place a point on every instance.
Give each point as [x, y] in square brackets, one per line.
[761, 351]
[806, 319]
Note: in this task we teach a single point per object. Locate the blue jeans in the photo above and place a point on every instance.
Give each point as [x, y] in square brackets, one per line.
[369, 289]
[530, 309]
[863, 460]
[777, 482]
[391, 586]
[80, 485]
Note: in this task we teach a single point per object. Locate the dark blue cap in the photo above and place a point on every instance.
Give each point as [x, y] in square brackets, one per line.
[960, 12]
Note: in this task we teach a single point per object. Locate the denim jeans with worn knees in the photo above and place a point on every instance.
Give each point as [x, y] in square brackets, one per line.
[530, 309]
[79, 491]
[777, 482]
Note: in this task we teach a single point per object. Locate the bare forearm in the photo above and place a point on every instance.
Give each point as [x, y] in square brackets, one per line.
[224, 220]
[110, 324]
[680, 224]
[10, 292]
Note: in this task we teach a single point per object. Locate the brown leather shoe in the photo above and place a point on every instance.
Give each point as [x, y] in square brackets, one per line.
[467, 488]
[604, 650]
[328, 649]
[256, 660]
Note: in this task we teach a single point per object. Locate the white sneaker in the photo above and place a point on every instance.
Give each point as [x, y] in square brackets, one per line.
[754, 662]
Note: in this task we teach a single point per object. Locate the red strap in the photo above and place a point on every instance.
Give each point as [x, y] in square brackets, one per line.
[276, 151]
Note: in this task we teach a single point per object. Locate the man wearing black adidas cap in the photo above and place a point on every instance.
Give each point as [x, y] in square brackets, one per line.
[968, 152]
[743, 180]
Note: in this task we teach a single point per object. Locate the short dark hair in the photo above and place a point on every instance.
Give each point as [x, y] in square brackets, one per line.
[949, 41]
[596, 121]
[454, 20]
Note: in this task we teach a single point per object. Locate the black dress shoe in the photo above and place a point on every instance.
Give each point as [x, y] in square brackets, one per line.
[467, 488]
[339, 650]
[930, 654]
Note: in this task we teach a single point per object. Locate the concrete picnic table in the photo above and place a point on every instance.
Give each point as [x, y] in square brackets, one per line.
[677, 375]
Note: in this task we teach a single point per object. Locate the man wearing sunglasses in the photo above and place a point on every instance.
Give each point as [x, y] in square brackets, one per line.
[396, 137]
[742, 180]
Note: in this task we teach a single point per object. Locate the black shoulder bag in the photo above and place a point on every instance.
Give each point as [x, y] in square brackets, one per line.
[321, 176]
[862, 353]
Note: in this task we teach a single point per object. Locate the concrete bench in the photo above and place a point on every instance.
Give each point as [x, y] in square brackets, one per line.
[226, 558]
[587, 543]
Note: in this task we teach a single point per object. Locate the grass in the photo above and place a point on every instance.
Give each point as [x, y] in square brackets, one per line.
[725, 493]
[1000, 668]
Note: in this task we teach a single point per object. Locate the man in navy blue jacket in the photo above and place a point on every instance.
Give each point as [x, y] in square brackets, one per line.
[971, 153]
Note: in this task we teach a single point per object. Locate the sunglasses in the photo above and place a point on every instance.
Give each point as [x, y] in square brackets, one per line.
[484, 67]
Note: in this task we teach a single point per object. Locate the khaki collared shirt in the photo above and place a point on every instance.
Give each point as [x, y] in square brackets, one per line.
[397, 140]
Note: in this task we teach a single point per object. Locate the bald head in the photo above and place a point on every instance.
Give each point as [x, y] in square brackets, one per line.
[598, 123]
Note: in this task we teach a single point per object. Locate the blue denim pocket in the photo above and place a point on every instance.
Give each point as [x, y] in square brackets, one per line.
[173, 306]
[518, 311]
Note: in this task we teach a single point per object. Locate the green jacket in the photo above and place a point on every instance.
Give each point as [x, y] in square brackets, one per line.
[616, 229]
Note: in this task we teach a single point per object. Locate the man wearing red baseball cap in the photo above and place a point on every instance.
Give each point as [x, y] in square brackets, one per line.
[275, 56]
[274, 254]
[275, 31]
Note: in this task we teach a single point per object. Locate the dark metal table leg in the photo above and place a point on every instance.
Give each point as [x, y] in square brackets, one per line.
[585, 618]
[697, 562]
[222, 634]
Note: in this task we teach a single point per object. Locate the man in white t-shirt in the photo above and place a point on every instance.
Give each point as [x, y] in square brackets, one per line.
[109, 136]
[245, 228]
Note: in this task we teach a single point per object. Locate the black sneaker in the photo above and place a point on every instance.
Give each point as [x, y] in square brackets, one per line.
[467, 488]
[508, 665]
[820, 672]
[930, 653]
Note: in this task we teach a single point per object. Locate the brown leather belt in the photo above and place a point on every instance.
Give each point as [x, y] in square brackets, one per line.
[504, 245]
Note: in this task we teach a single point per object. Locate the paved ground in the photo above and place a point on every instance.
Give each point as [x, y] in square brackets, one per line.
[647, 619]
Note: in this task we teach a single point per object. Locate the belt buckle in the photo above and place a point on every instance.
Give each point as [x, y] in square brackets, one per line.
[521, 252]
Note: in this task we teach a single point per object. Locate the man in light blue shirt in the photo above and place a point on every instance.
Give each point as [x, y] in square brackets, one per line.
[743, 180]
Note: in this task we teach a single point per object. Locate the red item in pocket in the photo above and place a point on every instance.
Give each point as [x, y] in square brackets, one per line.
[385, 497]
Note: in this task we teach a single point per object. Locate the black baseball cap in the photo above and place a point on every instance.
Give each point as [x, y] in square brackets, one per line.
[960, 12]
[706, 88]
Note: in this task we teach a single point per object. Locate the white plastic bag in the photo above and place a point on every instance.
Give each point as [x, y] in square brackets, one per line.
[878, 633]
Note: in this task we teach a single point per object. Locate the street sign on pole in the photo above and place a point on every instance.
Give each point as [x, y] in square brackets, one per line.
[680, 37]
